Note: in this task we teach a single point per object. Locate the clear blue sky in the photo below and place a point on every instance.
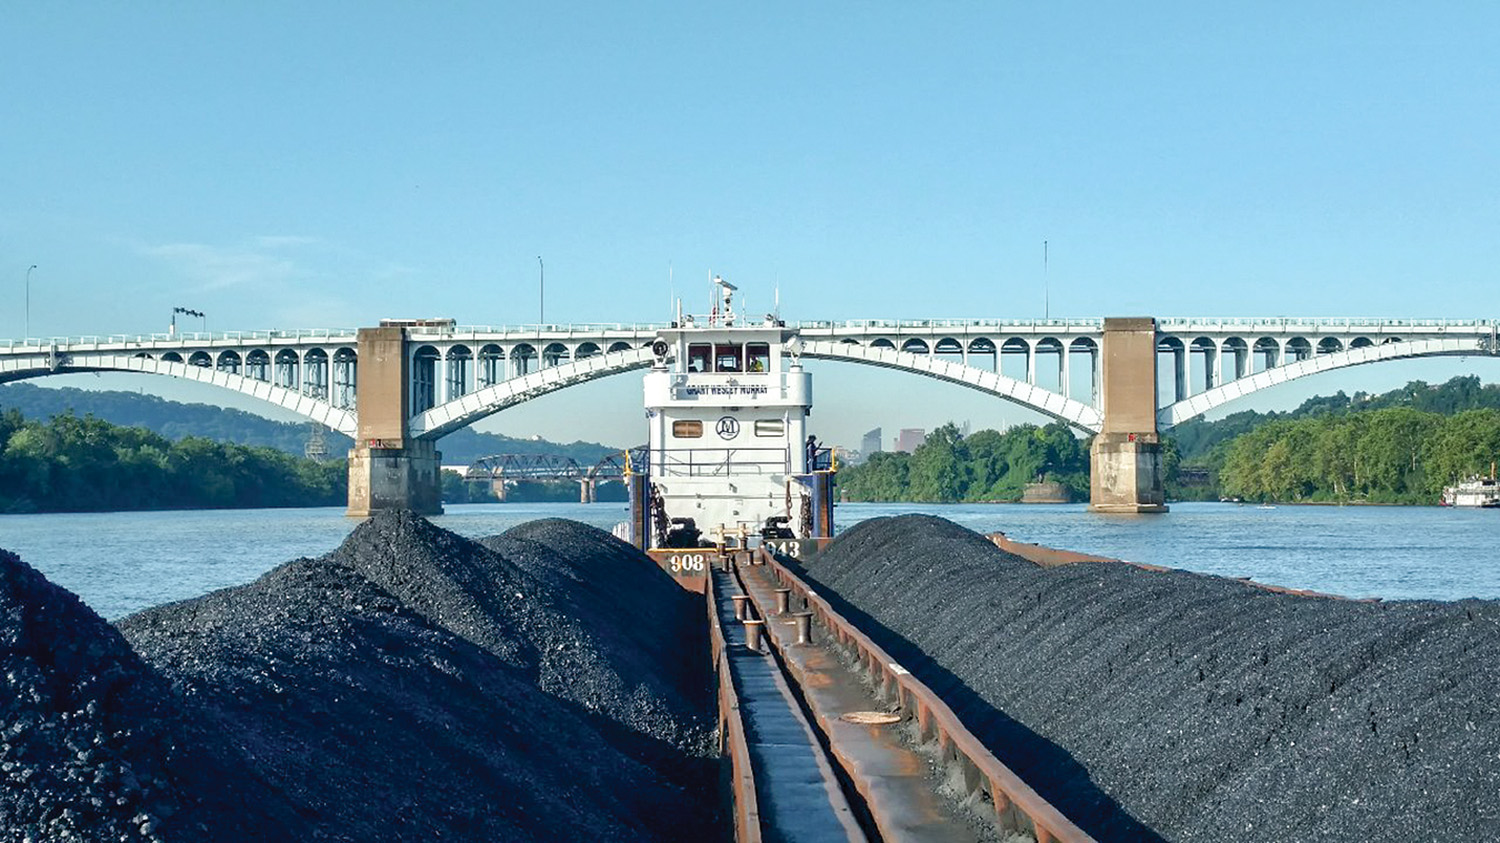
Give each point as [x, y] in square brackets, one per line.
[288, 164]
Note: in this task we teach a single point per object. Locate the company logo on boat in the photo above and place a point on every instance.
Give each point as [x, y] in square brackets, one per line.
[728, 427]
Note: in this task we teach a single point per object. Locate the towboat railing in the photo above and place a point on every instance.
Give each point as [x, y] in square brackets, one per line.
[721, 462]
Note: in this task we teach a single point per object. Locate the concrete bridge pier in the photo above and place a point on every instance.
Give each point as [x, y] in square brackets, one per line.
[394, 478]
[1126, 474]
[586, 490]
[388, 469]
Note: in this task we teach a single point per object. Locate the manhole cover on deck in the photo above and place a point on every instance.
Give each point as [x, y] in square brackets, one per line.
[870, 718]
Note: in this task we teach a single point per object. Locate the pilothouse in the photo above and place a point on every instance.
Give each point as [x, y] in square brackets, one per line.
[730, 461]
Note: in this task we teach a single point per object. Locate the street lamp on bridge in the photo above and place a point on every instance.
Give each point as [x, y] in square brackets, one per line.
[186, 311]
[541, 308]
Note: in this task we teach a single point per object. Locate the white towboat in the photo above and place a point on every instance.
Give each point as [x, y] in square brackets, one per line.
[1475, 491]
[729, 461]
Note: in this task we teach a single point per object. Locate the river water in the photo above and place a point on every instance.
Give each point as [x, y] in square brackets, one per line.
[124, 562]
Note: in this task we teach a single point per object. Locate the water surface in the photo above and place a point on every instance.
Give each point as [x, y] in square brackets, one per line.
[124, 562]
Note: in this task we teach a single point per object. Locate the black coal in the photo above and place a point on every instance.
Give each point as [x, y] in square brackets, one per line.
[411, 685]
[94, 745]
[1174, 706]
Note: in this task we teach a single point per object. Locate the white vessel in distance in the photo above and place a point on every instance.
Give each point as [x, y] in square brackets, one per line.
[1475, 491]
[729, 458]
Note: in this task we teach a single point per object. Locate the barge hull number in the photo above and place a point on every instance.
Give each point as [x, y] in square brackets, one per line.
[689, 563]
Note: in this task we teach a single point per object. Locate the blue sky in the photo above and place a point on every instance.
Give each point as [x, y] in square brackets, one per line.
[297, 165]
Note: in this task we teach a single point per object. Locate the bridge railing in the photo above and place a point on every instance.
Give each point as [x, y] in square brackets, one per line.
[1294, 323]
[909, 324]
[549, 329]
[1165, 324]
[186, 338]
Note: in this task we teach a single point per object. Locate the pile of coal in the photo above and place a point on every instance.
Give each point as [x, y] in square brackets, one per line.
[415, 685]
[95, 746]
[635, 642]
[1174, 706]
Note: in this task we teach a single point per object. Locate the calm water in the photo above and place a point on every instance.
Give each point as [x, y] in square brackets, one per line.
[123, 562]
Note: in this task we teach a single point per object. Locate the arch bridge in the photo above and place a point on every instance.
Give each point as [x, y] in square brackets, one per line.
[399, 387]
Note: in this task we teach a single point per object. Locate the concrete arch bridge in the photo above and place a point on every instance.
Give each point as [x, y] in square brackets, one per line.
[452, 377]
[399, 387]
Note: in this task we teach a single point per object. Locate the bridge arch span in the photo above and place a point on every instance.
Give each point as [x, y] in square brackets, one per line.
[1300, 363]
[1071, 411]
[341, 419]
[467, 409]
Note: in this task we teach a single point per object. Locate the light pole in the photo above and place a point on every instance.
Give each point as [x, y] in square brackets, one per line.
[541, 307]
[186, 311]
[28, 300]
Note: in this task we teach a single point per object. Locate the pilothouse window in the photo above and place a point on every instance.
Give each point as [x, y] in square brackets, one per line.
[687, 429]
[699, 354]
[729, 357]
[758, 356]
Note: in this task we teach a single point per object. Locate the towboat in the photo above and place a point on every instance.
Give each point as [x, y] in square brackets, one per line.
[729, 462]
[1475, 491]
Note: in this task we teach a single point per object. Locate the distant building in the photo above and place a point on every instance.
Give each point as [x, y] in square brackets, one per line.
[870, 444]
[909, 438]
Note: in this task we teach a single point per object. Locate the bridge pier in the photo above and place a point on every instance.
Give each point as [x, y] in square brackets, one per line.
[394, 478]
[388, 469]
[1126, 469]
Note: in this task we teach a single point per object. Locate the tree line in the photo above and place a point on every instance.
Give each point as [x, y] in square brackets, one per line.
[1197, 440]
[1401, 446]
[1394, 455]
[174, 420]
[985, 466]
[78, 464]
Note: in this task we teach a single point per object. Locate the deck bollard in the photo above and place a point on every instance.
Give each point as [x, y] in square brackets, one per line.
[783, 600]
[741, 606]
[752, 634]
[804, 627]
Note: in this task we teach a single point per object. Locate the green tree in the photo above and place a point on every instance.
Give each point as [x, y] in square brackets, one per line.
[880, 478]
[938, 469]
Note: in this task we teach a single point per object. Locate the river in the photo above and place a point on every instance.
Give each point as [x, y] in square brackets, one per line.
[122, 562]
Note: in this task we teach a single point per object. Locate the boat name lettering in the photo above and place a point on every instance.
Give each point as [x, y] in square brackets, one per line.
[725, 390]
